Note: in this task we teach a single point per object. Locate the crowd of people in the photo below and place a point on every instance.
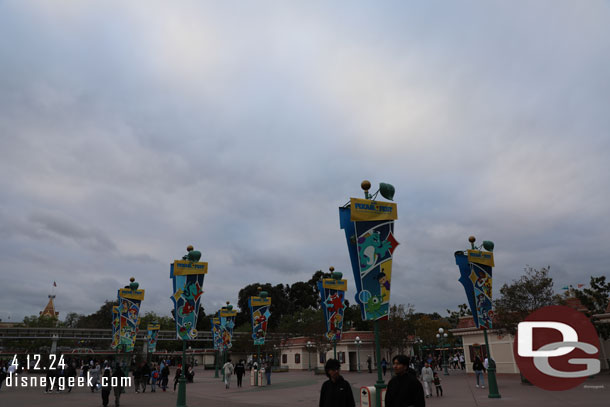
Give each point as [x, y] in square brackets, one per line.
[144, 374]
[239, 370]
[412, 382]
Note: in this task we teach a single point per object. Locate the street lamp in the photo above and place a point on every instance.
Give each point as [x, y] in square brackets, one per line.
[479, 294]
[358, 342]
[187, 282]
[440, 335]
[419, 342]
[276, 357]
[309, 346]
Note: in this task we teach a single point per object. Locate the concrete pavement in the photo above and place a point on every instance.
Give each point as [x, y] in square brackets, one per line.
[301, 388]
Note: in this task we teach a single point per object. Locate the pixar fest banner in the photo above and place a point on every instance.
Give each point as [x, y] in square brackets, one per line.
[332, 292]
[369, 230]
[187, 277]
[260, 313]
[476, 277]
[128, 312]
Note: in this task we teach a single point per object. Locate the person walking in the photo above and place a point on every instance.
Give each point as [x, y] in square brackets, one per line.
[478, 368]
[228, 370]
[404, 389]
[369, 364]
[462, 361]
[94, 373]
[3, 374]
[177, 376]
[427, 376]
[154, 378]
[437, 384]
[268, 372]
[118, 373]
[51, 374]
[240, 371]
[164, 377]
[145, 376]
[137, 377]
[336, 391]
[106, 388]
[71, 372]
[384, 366]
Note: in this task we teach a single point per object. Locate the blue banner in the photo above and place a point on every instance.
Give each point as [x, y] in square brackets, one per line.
[333, 303]
[476, 277]
[259, 314]
[187, 279]
[371, 245]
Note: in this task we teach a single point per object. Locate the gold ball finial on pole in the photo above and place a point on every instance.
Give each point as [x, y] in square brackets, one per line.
[365, 185]
[132, 279]
[472, 239]
[331, 269]
[189, 248]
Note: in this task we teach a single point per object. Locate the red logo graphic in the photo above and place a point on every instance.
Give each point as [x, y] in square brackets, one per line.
[557, 348]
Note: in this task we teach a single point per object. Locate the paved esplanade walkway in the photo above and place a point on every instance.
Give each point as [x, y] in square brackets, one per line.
[302, 389]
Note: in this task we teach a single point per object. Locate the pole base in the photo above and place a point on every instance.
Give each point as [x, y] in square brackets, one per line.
[181, 400]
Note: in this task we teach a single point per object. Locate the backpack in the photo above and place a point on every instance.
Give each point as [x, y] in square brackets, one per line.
[156, 374]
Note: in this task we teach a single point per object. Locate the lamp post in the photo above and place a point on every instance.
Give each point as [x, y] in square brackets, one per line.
[442, 337]
[187, 283]
[480, 263]
[369, 232]
[309, 346]
[419, 342]
[358, 342]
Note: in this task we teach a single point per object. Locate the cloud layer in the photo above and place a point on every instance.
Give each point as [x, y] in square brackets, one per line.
[128, 131]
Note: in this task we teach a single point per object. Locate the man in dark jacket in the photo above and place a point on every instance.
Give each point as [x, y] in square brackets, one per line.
[404, 390]
[118, 389]
[240, 371]
[336, 391]
[145, 376]
[106, 385]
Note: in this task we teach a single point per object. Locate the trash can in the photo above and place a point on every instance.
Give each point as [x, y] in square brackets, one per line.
[367, 396]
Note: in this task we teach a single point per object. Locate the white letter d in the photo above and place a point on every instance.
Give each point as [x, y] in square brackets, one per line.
[525, 333]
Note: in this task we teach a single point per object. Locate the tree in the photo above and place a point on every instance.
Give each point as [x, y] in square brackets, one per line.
[43, 321]
[454, 316]
[596, 298]
[313, 282]
[426, 327]
[72, 320]
[394, 332]
[167, 323]
[353, 318]
[280, 303]
[303, 296]
[532, 291]
[102, 318]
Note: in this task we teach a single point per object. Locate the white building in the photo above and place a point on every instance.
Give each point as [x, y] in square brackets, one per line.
[501, 346]
[296, 354]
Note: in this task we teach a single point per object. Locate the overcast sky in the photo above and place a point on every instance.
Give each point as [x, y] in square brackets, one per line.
[129, 130]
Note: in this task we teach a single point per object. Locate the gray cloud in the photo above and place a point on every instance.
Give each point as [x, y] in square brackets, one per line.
[55, 226]
[125, 137]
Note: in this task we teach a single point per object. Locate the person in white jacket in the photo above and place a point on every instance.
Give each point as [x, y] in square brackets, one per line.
[427, 376]
[228, 370]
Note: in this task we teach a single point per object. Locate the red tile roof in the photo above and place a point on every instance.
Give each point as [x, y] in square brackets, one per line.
[465, 322]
